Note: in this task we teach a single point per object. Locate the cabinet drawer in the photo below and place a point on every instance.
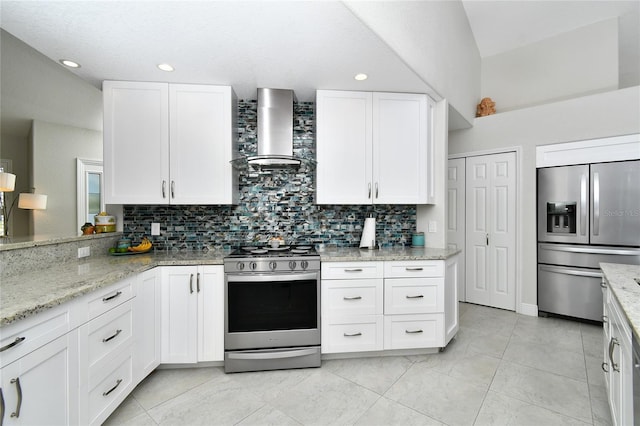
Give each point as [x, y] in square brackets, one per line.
[413, 331]
[101, 301]
[413, 295]
[352, 334]
[108, 334]
[352, 297]
[351, 270]
[24, 336]
[414, 268]
[108, 390]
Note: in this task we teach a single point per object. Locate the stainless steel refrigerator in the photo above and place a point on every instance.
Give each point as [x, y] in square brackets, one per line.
[587, 214]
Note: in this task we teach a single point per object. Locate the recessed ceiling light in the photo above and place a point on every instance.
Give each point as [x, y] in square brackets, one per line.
[361, 77]
[165, 67]
[70, 64]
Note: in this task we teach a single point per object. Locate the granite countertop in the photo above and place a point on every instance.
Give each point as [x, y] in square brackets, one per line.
[625, 289]
[27, 294]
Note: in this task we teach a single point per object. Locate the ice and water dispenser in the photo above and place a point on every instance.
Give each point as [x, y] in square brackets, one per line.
[561, 218]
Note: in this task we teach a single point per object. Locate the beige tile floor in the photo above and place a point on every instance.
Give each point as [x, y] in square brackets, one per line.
[502, 369]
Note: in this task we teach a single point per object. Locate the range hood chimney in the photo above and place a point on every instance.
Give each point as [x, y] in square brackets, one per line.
[275, 129]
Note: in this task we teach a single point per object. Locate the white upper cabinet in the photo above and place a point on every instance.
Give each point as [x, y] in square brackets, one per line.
[168, 143]
[372, 148]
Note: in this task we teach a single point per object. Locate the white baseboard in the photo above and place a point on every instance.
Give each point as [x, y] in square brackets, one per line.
[528, 309]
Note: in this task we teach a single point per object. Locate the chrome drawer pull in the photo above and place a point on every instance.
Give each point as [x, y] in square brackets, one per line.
[612, 344]
[19, 392]
[112, 337]
[113, 388]
[603, 284]
[415, 297]
[106, 299]
[413, 331]
[352, 297]
[12, 344]
[1, 407]
[352, 334]
[353, 270]
[198, 283]
[414, 269]
[604, 364]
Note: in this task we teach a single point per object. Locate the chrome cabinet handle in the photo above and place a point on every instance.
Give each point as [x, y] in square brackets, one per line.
[352, 334]
[376, 189]
[198, 283]
[12, 344]
[353, 270]
[352, 297]
[105, 340]
[173, 188]
[419, 296]
[106, 299]
[414, 269]
[191, 284]
[612, 343]
[369, 196]
[596, 203]
[112, 389]
[605, 319]
[583, 205]
[1, 407]
[603, 284]
[164, 189]
[604, 364]
[413, 331]
[487, 237]
[19, 392]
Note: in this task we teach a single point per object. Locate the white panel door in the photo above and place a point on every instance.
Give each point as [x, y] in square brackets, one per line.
[210, 289]
[201, 146]
[456, 216]
[400, 132]
[136, 142]
[179, 319]
[343, 147]
[491, 230]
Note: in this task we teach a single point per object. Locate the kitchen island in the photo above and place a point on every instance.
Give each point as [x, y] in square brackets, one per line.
[626, 291]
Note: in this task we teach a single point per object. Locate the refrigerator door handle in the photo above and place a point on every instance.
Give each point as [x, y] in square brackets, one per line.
[583, 205]
[596, 203]
[567, 271]
[591, 250]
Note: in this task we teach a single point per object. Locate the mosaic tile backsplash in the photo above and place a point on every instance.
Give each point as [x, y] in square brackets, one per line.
[275, 202]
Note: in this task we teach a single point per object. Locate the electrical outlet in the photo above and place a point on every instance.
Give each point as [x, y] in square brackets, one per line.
[84, 252]
[433, 226]
[155, 228]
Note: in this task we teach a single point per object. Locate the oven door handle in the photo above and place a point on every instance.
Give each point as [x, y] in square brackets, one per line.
[271, 277]
[272, 355]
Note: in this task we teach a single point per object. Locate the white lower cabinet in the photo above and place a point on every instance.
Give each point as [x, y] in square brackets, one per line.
[40, 388]
[372, 306]
[192, 314]
[146, 325]
[618, 360]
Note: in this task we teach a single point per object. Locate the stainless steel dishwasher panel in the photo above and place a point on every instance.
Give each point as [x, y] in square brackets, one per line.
[570, 291]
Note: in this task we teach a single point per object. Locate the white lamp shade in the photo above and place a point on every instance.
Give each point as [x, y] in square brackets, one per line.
[32, 201]
[7, 182]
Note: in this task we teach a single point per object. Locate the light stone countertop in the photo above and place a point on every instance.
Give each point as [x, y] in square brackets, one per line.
[27, 294]
[626, 290]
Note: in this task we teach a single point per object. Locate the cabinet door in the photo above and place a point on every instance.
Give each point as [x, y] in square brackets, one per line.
[343, 147]
[201, 144]
[400, 136]
[136, 142]
[210, 289]
[147, 324]
[179, 317]
[47, 381]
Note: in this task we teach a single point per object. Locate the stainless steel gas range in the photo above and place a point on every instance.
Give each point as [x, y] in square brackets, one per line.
[272, 315]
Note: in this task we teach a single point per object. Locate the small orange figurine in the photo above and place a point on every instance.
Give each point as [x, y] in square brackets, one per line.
[485, 107]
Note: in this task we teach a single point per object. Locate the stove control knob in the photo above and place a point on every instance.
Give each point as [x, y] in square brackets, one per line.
[240, 266]
[253, 266]
[304, 264]
[292, 265]
[273, 265]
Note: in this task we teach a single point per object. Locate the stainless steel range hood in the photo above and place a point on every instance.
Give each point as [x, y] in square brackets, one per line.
[275, 129]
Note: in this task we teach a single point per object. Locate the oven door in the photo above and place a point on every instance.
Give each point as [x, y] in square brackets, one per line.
[272, 310]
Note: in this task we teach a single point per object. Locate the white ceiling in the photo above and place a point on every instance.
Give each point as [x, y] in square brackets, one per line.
[302, 45]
